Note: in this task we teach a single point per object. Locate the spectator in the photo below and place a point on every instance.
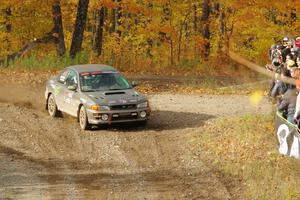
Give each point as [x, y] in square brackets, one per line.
[275, 52]
[278, 89]
[290, 64]
[297, 44]
[287, 104]
[297, 110]
[294, 54]
[286, 51]
[298, 61]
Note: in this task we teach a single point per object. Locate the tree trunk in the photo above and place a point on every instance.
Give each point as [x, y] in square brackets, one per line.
[79, 27]
[182, 26]
[8, 26]
[118, 20]
[8, 14]
[98, 42]
[113, 21]
[195, 17]
[221, 29]
[116, 15]
[46, 38]
[179, 45]
[149, 39]
[196, 31]
[205, 31]
[58, 27]
[172, 52]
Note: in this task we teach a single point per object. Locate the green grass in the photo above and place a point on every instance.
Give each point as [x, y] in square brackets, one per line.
[50, 62]
[243, 150]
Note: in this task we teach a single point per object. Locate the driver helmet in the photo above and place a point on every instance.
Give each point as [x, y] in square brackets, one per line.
[285, 41]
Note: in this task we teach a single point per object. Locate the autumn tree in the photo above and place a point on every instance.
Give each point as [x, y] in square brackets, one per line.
[58, 27]
[99, 28]
[205, 29]
[144, 32]
[79, 27]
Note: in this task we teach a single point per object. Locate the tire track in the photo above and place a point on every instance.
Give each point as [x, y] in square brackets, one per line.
[113, 162]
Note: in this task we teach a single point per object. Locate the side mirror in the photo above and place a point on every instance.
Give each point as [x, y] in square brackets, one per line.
[72, 87]
[134, 83]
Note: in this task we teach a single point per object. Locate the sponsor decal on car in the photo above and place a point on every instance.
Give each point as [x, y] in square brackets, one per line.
[122, 101]
[57, 90]
[68, 97]
[132, 101]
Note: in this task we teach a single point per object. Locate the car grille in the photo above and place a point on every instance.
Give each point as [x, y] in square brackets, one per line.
[124, 117]
[123, 107]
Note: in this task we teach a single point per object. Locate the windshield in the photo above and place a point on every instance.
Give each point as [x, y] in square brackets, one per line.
[98, 81]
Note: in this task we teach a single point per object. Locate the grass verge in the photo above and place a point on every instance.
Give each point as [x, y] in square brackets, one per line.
[242, 152]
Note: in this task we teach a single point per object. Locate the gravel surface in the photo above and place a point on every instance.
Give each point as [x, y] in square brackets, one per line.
[45, 158]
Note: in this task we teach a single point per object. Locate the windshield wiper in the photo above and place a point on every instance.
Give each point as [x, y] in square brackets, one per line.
[119, 89]
[89, 90]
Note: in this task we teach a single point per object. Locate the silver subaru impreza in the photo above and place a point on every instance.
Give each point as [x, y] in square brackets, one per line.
[95, 94]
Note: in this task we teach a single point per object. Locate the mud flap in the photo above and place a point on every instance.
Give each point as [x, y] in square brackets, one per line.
[287, 136]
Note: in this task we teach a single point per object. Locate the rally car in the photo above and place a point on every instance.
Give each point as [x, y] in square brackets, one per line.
[95, 94]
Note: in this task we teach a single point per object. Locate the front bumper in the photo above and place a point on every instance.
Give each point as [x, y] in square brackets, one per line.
[118, 116]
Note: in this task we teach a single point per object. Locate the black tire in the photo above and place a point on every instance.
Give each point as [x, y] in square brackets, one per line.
[52, 107]
[83, 119]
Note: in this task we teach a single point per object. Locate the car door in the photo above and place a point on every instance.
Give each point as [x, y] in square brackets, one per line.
[60, 88]
[71, 97]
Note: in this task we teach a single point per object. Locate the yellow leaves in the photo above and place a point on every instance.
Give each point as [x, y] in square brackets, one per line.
[151, 28]
[109, 4]
[134, 7]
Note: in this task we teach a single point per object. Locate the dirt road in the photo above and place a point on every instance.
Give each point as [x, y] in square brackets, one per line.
[45, 158]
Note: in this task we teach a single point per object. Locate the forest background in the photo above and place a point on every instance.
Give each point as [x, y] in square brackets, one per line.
[158, 36]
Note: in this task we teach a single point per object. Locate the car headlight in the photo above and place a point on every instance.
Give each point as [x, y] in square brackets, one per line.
[143, 105]
[95, 107]
[104, 108]
[100, 108]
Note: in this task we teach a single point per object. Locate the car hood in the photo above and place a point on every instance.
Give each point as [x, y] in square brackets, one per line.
[116, 97]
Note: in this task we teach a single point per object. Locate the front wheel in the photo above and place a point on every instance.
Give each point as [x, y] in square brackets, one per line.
[52, 107]
[83, 119]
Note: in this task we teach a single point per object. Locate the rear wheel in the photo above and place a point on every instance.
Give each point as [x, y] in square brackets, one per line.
[52, 107]
[83, 119]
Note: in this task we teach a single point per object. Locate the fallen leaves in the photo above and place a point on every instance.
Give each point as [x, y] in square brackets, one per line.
[245, 148]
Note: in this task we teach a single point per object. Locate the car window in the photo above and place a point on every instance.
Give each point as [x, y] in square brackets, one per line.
[121, 81]
[71, 78]
[92, 81]
[63, 76]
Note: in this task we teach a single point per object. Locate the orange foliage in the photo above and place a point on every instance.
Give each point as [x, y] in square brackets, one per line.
[162, 31]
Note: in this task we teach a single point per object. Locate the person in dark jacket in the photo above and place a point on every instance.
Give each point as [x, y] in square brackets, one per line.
[286, 51]
[296, 75]
[280, 87]
[287, 104]
[298, 61]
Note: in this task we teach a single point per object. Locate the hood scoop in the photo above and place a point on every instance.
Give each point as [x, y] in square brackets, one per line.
[113, 93]
[97, 97]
